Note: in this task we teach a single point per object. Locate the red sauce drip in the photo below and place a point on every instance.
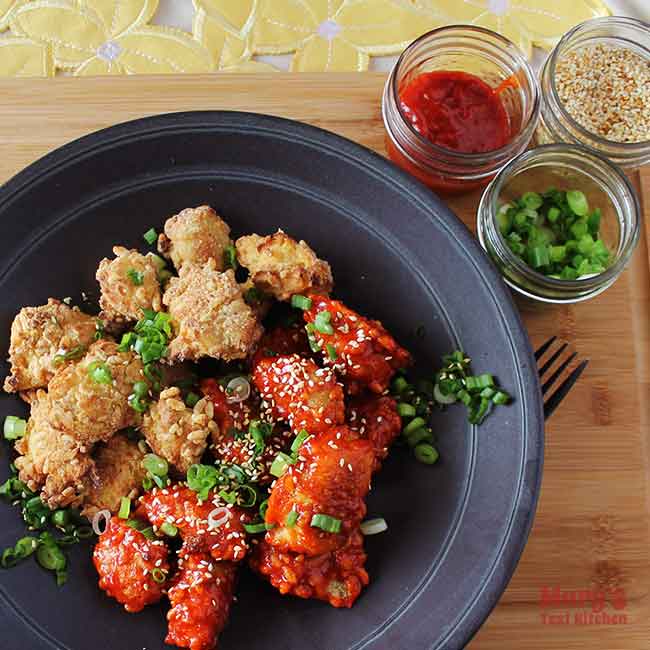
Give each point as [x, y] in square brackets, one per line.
[456, 110]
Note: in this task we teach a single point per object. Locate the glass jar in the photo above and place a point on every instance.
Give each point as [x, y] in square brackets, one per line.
[556, 124]
[483, 53]
[563, 167]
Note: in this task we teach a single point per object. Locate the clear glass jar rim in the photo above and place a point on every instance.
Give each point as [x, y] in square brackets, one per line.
[493, 191]
[507, 45]
[628, 147]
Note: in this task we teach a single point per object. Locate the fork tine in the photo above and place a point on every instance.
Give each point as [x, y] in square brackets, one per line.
[554, 400]
[553, 378]
[543, 347]
[553, 357]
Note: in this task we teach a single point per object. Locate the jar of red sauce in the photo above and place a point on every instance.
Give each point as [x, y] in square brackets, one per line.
[459, 104]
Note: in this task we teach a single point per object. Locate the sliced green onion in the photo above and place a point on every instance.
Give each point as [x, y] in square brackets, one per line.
[192, 399]
[264, 506]
[157, 260]
[254, 529]
[300, 439]
[60, 518]
[416, 437]
[281, 464]
[125, 508]
[291, 519]
[331, 352]
[150, 236]
[501, 397]
[100, 373]
[479, 382]
[442, 398]
[373, 526]
[14, 427]
[50, 557]
[577, 202]
[84, 532]
[25, 546]
[158, 575]
[322, 322]
[247, 496]
[414, 425]
[399, 385]
[488, 393]
[168, 529]
[426, 453]
[202, 479]
[61, 578]
[155, 465]
[326, 523]
[140, 388]
[136, 277]
[311, 338]
[75, 353]
[301, 302]
[230, 257]
[406, 410]
[137, 403]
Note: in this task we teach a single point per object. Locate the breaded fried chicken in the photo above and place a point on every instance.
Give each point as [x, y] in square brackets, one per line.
[129, 283]
[281, 266]
[176, 432]
[209, 315]
[44, 339]
[195, 235]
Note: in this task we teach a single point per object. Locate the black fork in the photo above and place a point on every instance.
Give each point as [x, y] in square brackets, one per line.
[553, 400]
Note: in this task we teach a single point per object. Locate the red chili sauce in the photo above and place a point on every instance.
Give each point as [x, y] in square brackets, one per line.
[457, 111]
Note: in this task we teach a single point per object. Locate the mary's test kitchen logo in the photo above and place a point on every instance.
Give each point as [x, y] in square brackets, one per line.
[582, 606]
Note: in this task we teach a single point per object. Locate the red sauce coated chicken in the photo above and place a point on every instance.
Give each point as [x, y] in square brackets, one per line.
[336, 578]
[282, 341]
[126, 562]
[200, 595]
[180, 506]
[331, 477]
[358, 348]
[297, 391]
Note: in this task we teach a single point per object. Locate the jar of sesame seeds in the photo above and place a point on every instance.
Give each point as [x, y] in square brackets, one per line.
[596, 90]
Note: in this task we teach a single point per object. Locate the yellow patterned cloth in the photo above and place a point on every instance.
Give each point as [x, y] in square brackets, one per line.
[91, 37]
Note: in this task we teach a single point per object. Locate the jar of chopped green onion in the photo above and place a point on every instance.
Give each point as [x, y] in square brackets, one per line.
[560, 222]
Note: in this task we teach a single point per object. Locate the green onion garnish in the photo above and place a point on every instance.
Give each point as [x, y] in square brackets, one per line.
[264, 506]
[291, 519]
[301, 302]
[75, 353]
[414, 425]
[14, 427]
[50, 557]
[125, 508]
[314, 345]
[230, 257]
[326, 523]
[331, 352]
[192, 399]
[155, 465]
[500, 397]
[299, 440]
[406, 410]
[254, 529]
[420, 435]
[322, 322]
[373, 526]
[158, 575]
[150, 236]
[136, 277]
[100, 373]
[426, 453]
[202, 479]
[168, 529]
[281, 464]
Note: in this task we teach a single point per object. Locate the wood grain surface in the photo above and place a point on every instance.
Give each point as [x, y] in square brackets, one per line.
[592, 526]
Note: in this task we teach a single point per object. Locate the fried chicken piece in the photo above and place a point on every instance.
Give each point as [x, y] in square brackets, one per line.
[180, 506]
[357, 348]
[336, 578]
[209, 315]
[297, 391]
[232, 442]
[51, 459]
[129, 283]
[193, 236]
[118, 473]
[127, 562]
[376, 419]
[40, 339]
[177, 432]
[331, 477]
[200, 595]
[89, 410]
[282, 341]
[281, 266]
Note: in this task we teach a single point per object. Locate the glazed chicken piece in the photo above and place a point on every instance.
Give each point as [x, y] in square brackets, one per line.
[231, 442]
[43, 340]
[282, 341]
[180, 506]
[89, 400]
[52, 460]
[357, 348]
[376, 419]
[336, 578]
[177, 432]
[129, 283]
[209, 315]
[195, 235]
[132, 569]
[330, 478]
[118, 473]
[297, 391]
[200, 595]
[280, 266]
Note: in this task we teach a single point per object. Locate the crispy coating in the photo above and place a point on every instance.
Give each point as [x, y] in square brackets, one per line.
[360, 349]
[296, 390]
[91, 411]
[375, 418]
[176, 432]
[125, 559]
[331, 477]
[179, 505]
[281, 266]
[200, 595]
[52, 460]
[231, 442]
[336, 578]
[209, 315]
[193, 236]
[38, 335]
[118, 473]
[124, 297]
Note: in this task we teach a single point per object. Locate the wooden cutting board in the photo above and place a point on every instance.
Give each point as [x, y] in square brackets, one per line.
[592, 525]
